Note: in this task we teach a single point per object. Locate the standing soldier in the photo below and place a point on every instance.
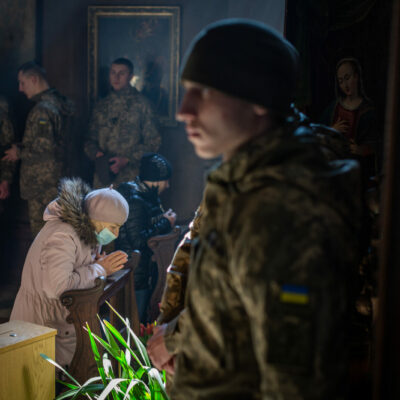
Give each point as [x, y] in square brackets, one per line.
[42, 152]
[268, 296]
[6, 140]
[122, 129]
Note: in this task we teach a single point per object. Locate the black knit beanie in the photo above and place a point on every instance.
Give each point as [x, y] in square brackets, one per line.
[245, 59]
[154, 168]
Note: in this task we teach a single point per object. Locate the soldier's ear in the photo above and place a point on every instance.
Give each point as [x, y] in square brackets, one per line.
[34, 78]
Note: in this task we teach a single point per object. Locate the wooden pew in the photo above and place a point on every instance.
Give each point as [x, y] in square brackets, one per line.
[84, 305]
[163, 248]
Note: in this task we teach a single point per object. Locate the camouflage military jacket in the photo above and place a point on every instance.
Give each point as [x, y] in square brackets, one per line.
[44, 143]
[267, 299]
[6, 139]
[123, 125]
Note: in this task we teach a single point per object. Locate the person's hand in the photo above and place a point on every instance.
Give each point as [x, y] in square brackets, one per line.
[341, 125]
[117, 163]
[113, 262]
[99, 256]
[4, 190]
[12, 154]
[171, 217]
[158, 352]
[99, 154]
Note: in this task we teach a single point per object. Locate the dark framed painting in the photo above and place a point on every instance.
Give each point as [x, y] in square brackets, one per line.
[149, 37]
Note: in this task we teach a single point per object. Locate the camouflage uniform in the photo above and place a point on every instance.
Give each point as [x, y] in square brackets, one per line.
[267, 299]
[333, 145]
[172, 302]
[123, 125]
[6, 139]
[43, 152]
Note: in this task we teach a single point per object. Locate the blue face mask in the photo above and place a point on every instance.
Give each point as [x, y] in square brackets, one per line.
[105, 236]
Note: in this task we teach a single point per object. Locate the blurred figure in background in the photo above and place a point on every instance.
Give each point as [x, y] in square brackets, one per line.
[122, 128]
[147, 218]
[43, 149]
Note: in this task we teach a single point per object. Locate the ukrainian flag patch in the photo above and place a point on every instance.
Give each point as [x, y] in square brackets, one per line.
[42, 121]
[294, 294]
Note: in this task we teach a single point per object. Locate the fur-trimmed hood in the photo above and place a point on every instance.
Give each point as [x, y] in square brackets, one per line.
[69, 208]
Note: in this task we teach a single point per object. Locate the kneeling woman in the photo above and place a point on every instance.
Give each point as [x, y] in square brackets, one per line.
[66, 255]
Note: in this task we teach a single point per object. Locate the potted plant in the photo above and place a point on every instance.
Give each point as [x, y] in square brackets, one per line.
[135, 378]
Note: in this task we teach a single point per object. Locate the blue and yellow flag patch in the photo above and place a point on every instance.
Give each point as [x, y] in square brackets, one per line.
[294, 294]
[42, 121]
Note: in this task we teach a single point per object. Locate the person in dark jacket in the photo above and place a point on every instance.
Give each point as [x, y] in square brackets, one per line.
[147, 218]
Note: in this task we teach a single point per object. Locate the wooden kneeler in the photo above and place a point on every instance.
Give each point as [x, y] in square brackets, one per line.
[83, 306]
[163, 248]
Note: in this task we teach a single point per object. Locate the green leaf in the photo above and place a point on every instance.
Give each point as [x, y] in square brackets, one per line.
[106, 345]
[96, 353]
[138, 343]
[93, 344]
[131, 386]
[67, 394]
[108, 367]
[157, 382]
[67, 384]
[110, 387]
[59, 367]
[119, 337]
[91, 380]
[104, 323]
[139, 373]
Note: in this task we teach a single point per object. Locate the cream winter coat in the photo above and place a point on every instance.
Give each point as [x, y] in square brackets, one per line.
[60, 258]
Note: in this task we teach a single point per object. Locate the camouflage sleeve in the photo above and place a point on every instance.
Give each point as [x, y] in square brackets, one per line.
[173, 333]
[151, 138]
[6, 139]
[38, 143]
[172, 302]
[288, 288]
[174, 293]
[91, 145]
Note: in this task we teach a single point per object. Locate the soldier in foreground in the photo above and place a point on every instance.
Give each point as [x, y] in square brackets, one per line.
[122, 129]
[42, 152]
[268, 297]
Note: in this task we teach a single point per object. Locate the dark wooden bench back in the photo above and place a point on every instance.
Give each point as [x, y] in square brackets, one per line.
[83, 306]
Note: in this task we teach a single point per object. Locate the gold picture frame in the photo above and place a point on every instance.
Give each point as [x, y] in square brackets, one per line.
[149, 37]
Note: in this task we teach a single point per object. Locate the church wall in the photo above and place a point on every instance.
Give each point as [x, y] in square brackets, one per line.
[17, 44]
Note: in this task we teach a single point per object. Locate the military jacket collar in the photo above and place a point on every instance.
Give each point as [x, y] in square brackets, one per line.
[261, 152]
[288, 157]
[38, 97]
